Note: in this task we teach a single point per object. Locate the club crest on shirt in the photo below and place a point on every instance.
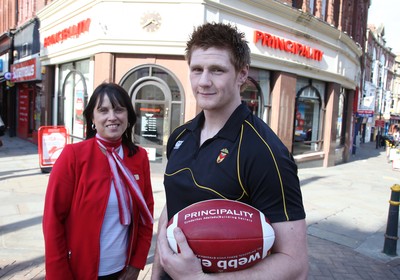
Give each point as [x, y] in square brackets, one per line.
[178, 144]
[224, 152]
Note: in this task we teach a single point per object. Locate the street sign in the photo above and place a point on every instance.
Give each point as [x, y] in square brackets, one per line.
[8, 76]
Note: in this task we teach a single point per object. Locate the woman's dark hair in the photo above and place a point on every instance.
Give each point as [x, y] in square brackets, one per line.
[118, 97]
[220, 36]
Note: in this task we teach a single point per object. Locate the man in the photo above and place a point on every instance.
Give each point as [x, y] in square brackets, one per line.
[256, 167]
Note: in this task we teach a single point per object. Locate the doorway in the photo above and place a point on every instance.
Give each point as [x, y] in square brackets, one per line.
[307, 137]
[157, 97]
[151, 101]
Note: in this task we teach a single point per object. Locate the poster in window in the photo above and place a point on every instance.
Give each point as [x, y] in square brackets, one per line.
[149, 126]
[78, 114]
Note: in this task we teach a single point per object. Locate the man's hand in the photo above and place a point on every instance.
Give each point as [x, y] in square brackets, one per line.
[182, 265]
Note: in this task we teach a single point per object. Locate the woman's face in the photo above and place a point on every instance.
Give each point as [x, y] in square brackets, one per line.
[110, 122]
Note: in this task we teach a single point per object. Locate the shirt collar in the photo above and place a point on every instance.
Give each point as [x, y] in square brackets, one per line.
[231, 127]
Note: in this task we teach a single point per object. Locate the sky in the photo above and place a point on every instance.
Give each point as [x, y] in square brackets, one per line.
[388, 13]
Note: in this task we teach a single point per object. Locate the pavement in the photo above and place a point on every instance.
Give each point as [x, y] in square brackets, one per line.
[347, 210]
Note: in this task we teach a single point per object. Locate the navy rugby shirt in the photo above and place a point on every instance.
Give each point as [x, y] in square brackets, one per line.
[244, 161]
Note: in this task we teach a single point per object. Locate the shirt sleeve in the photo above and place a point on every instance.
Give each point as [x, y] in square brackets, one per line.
[270, 176]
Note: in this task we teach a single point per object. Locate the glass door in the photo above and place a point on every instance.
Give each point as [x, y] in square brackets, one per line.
[152, 127]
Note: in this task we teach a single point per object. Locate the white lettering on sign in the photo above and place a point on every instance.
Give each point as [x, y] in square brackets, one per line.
[212, 212]
[23, 72]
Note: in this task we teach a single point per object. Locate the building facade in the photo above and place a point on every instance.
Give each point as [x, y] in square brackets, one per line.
[306, 66]
[395, 111]
[376, 100]
[8, 23]
[20, 68]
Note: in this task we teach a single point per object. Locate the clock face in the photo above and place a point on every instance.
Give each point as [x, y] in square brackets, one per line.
[151, 21]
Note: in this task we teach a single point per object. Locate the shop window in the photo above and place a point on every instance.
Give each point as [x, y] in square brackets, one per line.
[73, 98]
[341, 120]
[252, 97]
[297, 4]
[25, 50]
[311, 6]
[323, 9]
[256, 93]
[307, 136]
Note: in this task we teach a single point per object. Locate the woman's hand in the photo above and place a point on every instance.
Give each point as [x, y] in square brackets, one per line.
[129, 273]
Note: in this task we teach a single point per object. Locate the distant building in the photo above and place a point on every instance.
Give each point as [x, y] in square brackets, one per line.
[376, 99]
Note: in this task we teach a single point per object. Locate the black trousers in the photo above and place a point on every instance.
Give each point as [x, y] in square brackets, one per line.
[113, 276]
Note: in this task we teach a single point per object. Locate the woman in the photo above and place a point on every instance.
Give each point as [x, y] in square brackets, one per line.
[97, 220]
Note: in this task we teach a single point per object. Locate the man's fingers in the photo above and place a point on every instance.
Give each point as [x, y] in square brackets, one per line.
[182, 242]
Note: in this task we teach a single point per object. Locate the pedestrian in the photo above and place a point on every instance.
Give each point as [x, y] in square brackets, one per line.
[97, 220]
[396, 135]
[257, 168]
[2, 130]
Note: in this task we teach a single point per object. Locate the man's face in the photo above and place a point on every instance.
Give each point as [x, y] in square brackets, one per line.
[215, 83]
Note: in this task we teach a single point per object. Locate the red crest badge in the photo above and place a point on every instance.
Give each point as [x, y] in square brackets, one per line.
[224, 152]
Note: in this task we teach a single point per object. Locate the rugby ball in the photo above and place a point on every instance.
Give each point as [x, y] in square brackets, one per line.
[225, 235]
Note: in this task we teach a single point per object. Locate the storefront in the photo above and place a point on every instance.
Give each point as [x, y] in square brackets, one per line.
[301, 80]
[365, 126]
[25, 76]
[6, 99]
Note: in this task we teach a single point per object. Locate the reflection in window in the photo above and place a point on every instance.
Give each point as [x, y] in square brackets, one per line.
[307, 120]
[150, 93]
[149, 128]
[252, 97]
[323, 9]
[73, 97]
[312, 6]
[341, 121]
[256, 93]
[135, 76]
[171, 82]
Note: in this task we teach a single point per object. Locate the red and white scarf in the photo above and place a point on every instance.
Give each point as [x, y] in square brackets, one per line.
[125, 184]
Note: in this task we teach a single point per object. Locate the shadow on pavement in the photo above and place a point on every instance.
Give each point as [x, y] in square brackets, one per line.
[14, 174]
[366, 151]
[14, 268]
[20, 225]
[15, 146]
[310, 180]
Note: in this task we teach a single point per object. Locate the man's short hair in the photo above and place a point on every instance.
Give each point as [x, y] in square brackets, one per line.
[220, 36]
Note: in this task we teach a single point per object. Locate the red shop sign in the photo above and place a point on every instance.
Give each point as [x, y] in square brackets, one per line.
[24, 71]
[380, 123]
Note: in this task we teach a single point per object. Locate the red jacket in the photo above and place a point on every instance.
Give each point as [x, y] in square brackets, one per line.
[75, 204]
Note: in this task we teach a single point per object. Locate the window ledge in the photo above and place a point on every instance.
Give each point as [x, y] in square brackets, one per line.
[309, 156]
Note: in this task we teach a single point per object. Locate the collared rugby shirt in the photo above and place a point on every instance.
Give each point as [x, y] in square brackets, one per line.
[244, 161]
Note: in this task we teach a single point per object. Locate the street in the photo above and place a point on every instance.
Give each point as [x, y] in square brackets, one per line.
[346, 205]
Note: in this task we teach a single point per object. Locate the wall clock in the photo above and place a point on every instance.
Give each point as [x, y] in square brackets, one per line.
[151, 21]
